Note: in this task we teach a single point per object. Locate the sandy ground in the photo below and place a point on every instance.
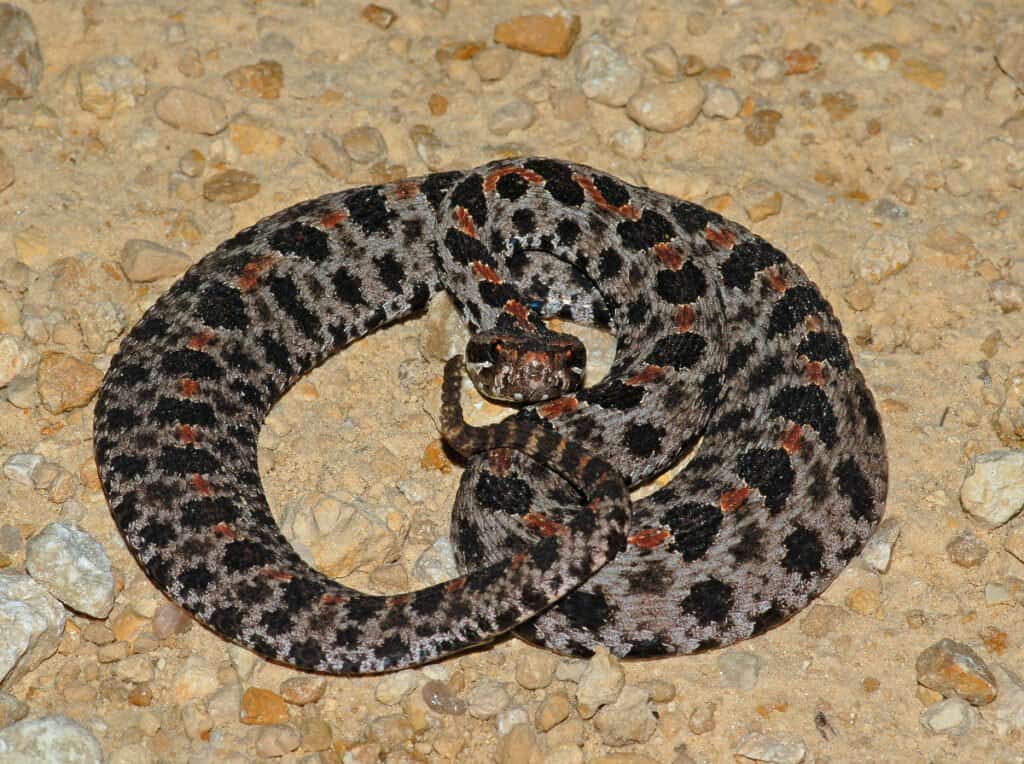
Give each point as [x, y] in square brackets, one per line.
[872, 140]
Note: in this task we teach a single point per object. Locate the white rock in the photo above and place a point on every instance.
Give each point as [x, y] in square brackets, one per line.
[721, 102]
[993, 491]
[740, 669]
[144, 261]
[31, 622]
[110, 85]
[600, 683]
[191, 111]
[604, 74]
[510, 718]
[517, 115]
[49, 740]
[628, 720]
[667, 107]
[492, 63]
[877, 553]
[882, 255]
[20, 467]
[629, 142]
[393, 687]
[73, 566]
[436, 564]
[952, 716]
[487, 699]
[761, 747]
[21, 62]
[196, 678]
[14, 358]
[1006, 712]
[663, 59]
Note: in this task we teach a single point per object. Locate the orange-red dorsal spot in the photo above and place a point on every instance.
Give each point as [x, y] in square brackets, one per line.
[669, 255]
[225, 530]
[499, 460]
[333, 599]
[465, 221]
[277, 574]
[398, 600]
[792, 439]
[649, 538]
[331, 219]
[517, 560]
[186, 433]
[776, 281]
[188, 387]
[543, 525]
[719, 238]
[814, 373]
[734, 499]
[813, 323]
[201, 485]
[520, 313]
[648, 374]
[405, 189]
[558, 407]
[455, 585]
[201, 340]
[253, 272]
[486, 272]
[685, 318]
[627, 211]
[491, 181]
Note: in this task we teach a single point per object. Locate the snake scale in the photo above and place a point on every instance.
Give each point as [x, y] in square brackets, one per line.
[722, 342]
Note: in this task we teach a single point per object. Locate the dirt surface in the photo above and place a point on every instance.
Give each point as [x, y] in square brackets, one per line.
[878, 142]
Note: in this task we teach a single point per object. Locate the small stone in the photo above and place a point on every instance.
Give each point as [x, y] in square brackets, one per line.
[535, 669]
[667, 107]
[993, 491]
[437, 104]
[196, 720]
[517, 115]
[231, 187]
[553, 710]
[20, 467]
[660, 690]
[1006, 712]
[21, 61]
[196, 678]
[967, 550]
[511, 717]
[316, 734]
[33, 248]
[254, 139]
[954, 669]
[303, 690]
[519, 746]
[73, 567]
[628, 720]
[14, 358]
[6, 171]
[801, 60]
[365, 144]
[569, 105]
[539, 34]
[702, 720]
[761, 127]
[767, 203]
[923, 73]
[436, 564]
[66, 383]
[739, 669]
[487, 699]
[877, 552]
[492, 64]
[878, 57]
[882, 255]
[11, 710]
[49, 739]
[721, 102]
[996, 593]
[32, 623]
[629, 142]
[760, 747]
[429, 147]
[191, 111]
[379, 16]
[262, 707]
[663, 59]
[393, 732]
[144, 261]
[260, 80]
[440, 698]
[110, 85]
[604, 74]
[394, 687]
[1007, 295]
[839, 105]
[329, 155]
[169, 620]
[951, 716]
[600, 683]
[277, 739]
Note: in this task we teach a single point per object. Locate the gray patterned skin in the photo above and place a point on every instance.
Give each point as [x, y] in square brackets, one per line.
[720, 337]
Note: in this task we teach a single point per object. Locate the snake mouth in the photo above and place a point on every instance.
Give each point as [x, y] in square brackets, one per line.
[525, 368]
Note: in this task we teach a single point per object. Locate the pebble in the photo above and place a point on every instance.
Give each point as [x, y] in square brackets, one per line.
[604, 74]
[515, 115]
[993, 490]
[196, 720]
[540, 34]
[429, 148]
[660, 690]
[628, 720]
[440, 699]
[552, 711]
[761, 127]
[954, 669]
[21, 61]
[600, 683]
[330, 156]
[629, 142]
[137, 669]
[924, 73]
[392, 732]
[379, 16]
[702, 719]
[144, 261]
[436, 564]
[1006, 712]
[667, 107]
[951, 716]
[760, 747]
[663, 59]
[519, 746]
[169, 620]
[839, 105]
[394, 687]
[877, 552]
[967, 550]
[511, 717]
[765, 202]
[1007, 295]
[6, 171]
[487, 699]
[231, 187]
[317, 734]
[277, 739]
[882, 255]
[535, 669]
[721, 102]
[66, 383]
[32, 622]
[15, 357]
[303, 690]
[261, 707]
[739, 669]
[492, 64]
[253, 138]
[49, 739]
[191, 111]
[364, 144]
[260, 80]
[196, 678]
[11, 709]
[109, 85]
[73, 567]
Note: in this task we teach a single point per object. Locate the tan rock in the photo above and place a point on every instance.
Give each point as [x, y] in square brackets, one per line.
[66, 382]
[191, 111]
[260, 80]
[144, 261]
[231, 187]
[262, 707]
[539, 34]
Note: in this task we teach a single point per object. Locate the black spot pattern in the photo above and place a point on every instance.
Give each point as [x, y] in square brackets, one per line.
[803, 552]
[644, 233]
[300, 240]
[709, 601]
[681, 286]
[694, 527]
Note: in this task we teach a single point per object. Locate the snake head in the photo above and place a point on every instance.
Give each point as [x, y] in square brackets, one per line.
[525, 368]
